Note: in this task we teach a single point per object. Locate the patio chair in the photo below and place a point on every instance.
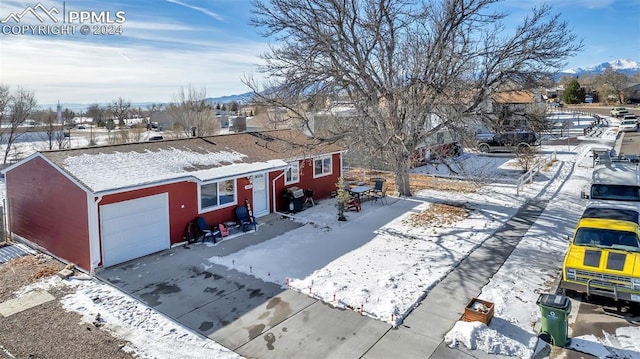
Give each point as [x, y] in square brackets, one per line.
[308, 198]
[382, 196]
[206, 231]
[377, 188]
[191, 233]
[245, 219]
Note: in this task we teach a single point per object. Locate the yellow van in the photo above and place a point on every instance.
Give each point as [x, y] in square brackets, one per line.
[604, 255]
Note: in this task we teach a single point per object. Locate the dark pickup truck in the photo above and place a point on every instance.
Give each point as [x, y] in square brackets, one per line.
[507, 141]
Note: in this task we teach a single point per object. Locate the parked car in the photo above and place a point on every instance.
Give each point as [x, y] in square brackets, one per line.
[628, 125]
[630, 117]
[619, 111]
[507, 141]
[156, 138]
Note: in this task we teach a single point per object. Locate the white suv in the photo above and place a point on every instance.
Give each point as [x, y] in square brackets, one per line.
[629, 125]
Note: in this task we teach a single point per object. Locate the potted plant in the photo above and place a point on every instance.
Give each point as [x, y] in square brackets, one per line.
[342, 197]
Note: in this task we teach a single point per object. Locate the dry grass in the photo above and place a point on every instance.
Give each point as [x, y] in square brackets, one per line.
[416, 181]
[44, 272]
[48, 330]
[25, 270]
[26, 260]
[439, 215]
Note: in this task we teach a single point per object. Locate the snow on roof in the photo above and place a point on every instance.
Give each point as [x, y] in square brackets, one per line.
[616, 173]
[115, 167]
[108, 171]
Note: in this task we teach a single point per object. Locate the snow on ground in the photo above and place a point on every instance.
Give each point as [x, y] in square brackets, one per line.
[515, 288]
[384, 265]
[384, 275]
[378, 263]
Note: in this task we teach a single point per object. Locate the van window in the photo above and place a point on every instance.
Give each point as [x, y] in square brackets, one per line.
[615, 192]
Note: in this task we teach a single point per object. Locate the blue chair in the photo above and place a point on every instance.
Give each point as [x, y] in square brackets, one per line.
[206, 231]
[378, 186]
[245, 219]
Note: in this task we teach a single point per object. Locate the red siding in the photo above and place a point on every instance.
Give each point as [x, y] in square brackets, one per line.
[321, 186]
[183, 204]
[49, 210]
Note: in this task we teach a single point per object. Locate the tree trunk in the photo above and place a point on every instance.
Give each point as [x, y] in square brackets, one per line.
[402, 174]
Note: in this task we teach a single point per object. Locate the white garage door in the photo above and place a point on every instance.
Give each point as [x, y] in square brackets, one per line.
[134, 228]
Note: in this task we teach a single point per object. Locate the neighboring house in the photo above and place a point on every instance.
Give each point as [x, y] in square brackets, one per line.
[512, 108]
[100, 206]
[518, 102]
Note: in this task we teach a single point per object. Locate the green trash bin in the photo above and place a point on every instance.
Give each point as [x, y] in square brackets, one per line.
[555, 310]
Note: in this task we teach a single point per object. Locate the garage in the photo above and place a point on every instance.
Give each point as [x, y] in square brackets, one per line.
[134, 228]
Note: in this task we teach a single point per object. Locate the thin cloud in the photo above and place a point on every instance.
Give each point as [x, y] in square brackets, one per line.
[159, 26]
[83, 72]
[197, 8]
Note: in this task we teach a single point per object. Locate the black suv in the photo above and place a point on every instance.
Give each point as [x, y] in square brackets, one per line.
[507, 141]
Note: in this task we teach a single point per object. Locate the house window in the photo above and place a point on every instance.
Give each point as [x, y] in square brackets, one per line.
[292, 173]
[322, 166]
[217, 194]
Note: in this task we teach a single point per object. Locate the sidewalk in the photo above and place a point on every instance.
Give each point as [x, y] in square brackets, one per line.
[423, 330]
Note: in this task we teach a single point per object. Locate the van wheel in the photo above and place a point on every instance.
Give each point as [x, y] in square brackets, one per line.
[484, 148]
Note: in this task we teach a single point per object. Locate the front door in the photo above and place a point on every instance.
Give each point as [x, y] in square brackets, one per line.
[260, 195]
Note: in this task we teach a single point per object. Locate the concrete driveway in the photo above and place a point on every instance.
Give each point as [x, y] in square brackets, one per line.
[239, 311]
[261, 320]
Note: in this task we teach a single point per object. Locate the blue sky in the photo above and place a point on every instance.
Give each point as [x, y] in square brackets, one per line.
[166, 45]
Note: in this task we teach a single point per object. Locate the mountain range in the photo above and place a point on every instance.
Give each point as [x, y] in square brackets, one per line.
[143, 105]
[625, 66]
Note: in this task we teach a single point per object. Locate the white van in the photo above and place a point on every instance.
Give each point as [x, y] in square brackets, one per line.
[614, 181]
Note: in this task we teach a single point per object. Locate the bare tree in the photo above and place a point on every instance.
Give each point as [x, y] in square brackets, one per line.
[154, 107]
[50, 127]
[14, 111]
[612, 82]
[190, 111]
[5, 99]
[408, 68]
[97, 114]
[120, 109]
[50, 130]
[526, 156]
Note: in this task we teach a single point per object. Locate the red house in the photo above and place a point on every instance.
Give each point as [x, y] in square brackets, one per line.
[100, 206]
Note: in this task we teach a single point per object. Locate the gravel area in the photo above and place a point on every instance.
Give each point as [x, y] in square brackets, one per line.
[47, 330]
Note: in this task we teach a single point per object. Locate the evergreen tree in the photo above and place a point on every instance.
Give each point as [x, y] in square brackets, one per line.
[573, 93]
